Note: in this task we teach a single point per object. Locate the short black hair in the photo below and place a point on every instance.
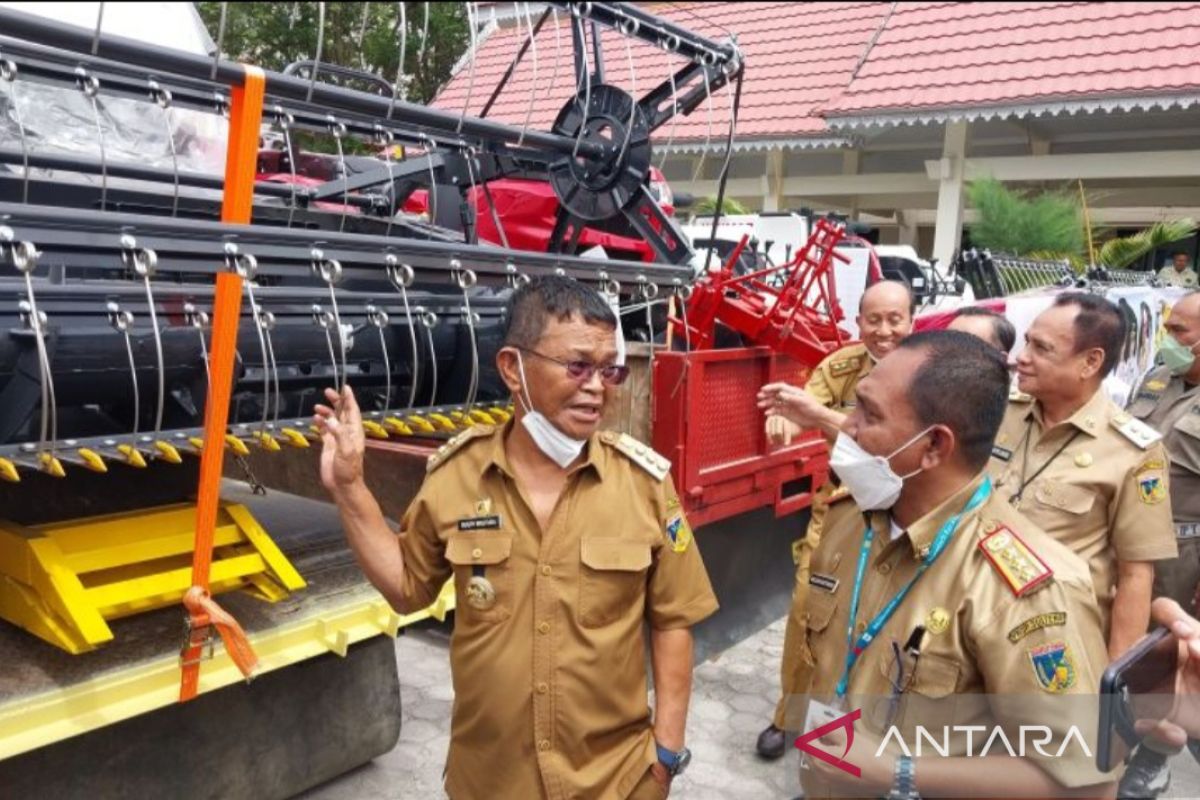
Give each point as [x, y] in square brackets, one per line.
[1002, 329]
[534, 303]
[912, 298]
[962, 384]
[1099, 323]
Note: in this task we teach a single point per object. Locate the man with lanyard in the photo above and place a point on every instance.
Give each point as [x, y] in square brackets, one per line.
[1081, 469]
[929, 592]
[565, 544]
[884, 318]
[1168, 402]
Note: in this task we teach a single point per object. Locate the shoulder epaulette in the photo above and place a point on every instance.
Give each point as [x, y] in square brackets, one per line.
[645, 457]
[840, 493]
[1015, 395]
[1135, 430]
[1019, 566]
[443, 453]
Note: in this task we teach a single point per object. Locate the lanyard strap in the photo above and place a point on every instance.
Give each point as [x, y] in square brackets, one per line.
[1016, 498]
[856, 648]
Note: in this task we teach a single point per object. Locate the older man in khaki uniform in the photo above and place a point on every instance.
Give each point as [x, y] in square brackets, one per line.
[565, 544]
[1168, 402]
[884, 319]
[947, 594]
[1082, 470]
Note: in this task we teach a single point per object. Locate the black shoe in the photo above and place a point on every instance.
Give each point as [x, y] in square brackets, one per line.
[1146, 777]
[772, 743]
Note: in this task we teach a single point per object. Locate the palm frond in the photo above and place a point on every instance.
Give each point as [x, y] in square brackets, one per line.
[1120, 253]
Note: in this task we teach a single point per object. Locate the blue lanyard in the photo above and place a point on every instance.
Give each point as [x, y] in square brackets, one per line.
[856, 648]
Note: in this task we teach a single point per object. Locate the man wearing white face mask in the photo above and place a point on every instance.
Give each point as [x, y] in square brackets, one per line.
[884, 319]
[934, 603]
[565, 544]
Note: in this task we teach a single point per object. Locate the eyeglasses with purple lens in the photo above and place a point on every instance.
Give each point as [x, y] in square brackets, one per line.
[582, 371]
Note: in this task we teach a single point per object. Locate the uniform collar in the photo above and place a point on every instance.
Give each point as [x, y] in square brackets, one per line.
[594, 454]
[1089, 419]
[922, 532]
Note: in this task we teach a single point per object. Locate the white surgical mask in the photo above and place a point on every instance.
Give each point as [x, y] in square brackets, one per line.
[558, 446]
[872, 482]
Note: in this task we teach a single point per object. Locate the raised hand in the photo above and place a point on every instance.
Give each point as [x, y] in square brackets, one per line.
[342, 440]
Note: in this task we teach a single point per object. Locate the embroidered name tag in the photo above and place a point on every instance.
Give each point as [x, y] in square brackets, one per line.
[1000, 453]
[826, 582]
[479, 523]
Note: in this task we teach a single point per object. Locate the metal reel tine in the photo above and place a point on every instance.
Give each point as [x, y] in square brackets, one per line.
[400, 87]
[338, 129]
[90, 86]
[674, 112]
[708, 132]
[532, 38]
[552, 85]
[8, 73]
[472, 11]
[162, 98]
[316, 67]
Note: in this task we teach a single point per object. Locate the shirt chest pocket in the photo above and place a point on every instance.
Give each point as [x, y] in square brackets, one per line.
[1065, 497]
[486, 557]
[818, 615]
[1185, 449]
[612, 580]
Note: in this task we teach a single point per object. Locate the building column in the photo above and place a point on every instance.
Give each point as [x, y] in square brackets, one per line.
[906, 228]
[772, 199]
[947, 232]
[851, 163]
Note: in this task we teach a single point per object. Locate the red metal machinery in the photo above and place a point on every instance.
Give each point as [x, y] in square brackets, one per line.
[706, 418]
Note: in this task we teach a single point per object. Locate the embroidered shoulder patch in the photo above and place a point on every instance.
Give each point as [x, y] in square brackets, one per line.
[679, 534]
[1051, 620]
[1053, 666]
[1151, 482]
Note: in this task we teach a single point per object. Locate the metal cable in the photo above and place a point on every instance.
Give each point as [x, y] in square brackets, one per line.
[8, 72]
[316, 67]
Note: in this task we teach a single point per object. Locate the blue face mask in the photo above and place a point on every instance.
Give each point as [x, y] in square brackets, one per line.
[556, 445]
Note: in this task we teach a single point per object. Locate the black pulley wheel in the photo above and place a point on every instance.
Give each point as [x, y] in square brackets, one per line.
[598, 188]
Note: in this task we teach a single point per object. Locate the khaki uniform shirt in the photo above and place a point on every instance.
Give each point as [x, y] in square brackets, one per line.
[1007, 611]
[1169, 276]
[1171, 407]
[1104, 495]
[550, 678]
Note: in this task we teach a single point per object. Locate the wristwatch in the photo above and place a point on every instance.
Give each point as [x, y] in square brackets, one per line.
[675, 762]
[904, 783]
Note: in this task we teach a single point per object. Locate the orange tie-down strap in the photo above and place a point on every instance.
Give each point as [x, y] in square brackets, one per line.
[245, 122]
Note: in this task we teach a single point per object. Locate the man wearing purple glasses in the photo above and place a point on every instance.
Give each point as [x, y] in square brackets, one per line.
[564, 543]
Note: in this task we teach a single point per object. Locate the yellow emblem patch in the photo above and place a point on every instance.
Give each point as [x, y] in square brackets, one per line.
[1156, 386]
[1151, 483]
[937, 621]
[1054, 667]
[678, 532]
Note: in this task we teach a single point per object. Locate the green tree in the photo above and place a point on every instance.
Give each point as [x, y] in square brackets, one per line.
[1023, 224]
[708, 205]
[273, 35]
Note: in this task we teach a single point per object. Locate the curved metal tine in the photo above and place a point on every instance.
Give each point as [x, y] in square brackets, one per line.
[90, 86]
[587, 85]
[384, 137]
[324, 320]
[268, 320]
[8, 73]
[708, 133]
[684, 293]
[362, 35]
[472, 11]
[338, 130]
[330, 271]
[466, 278]
[316, 67]
[142, 263]
[121, 321]
[25, 256]
[629, 27]
[469, 207]
[284, 119]
[402, 276]
[430, 321]
[220, 41]
[96, 35]
[431, 200]
[401, 86]
[379, 318]
[557, 51]
[259, 327]
[199, 320]
[533, 92]
[649, 290]
[674, 105]
[162, 97]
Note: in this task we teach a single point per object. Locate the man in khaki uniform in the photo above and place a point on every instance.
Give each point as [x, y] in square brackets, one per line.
[564, 543]
[948, 595]
[1179, 272]
[1168, 402]
[884, 319]
[1081, 469]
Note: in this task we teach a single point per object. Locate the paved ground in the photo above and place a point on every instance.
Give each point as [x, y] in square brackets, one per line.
[733, 697]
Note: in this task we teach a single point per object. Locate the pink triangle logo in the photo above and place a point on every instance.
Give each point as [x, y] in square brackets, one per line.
[805, 742]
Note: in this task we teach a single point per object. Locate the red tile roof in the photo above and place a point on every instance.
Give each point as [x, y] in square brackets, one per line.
[972, 55]
[801, 59]
[798, 57]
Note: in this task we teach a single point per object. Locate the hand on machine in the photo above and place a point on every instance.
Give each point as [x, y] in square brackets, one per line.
[342, 439]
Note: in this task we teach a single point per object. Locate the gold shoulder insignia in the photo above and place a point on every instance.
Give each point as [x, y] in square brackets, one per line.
[638, 453]
[1015, 395]
[846, 366]
[840, 493]
[443, 453]
[1135, 430]
[1019, 566]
